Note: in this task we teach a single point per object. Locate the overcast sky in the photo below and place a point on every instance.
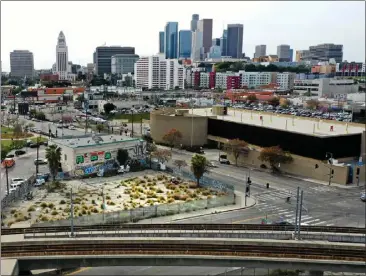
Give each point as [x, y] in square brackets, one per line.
[34, 26]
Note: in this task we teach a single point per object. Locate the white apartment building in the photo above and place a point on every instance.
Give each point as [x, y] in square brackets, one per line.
[325, 87]
[255, 79]
[221, 79]
[285, 80]
[156, 72]
[205, 79]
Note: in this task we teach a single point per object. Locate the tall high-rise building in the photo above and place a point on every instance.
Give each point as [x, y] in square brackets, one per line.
[194, 21]
[235, 40]
[171, 40]
[185, 43]
[205, 27]
[103, 57]
[291, 57]
[324, 52]
[197, 46]
[161, 42]
[216, 42]
[260, 51]
[62, 58]
[223, 43]
[21, 64]
[283, 52]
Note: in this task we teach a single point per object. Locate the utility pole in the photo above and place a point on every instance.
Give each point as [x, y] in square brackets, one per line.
[132, 122]
[297, 208]
[72, 234]
[329, 156]
[300, 211]
[7, 178]
[141, 126]
[37, 155]
[86, 106]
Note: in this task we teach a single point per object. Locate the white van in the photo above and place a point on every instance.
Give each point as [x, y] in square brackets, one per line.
[14, 180]
[15, 185]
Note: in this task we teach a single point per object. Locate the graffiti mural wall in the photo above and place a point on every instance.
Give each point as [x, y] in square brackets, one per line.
[98, 162]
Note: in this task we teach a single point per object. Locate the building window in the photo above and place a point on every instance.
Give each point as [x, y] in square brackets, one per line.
[65, 157]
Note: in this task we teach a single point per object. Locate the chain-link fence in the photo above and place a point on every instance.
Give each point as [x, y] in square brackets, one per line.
[19, 193]
[137, 214]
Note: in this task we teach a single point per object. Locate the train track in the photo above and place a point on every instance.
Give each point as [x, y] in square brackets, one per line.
[191, 227]
[110, 248]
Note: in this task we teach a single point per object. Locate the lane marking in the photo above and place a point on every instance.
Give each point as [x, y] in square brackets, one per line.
[78, 271]
[319, 223]
[249, 219]
[313, 221]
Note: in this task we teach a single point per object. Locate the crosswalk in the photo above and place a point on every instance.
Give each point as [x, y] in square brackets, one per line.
[282, 193]
[287, 214]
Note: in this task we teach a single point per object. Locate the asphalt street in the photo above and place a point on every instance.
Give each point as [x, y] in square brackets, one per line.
[323, 205]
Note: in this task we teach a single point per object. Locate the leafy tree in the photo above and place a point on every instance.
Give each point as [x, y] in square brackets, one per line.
[271, 68]
[285, 103]
[180, 163]
[275, 156]
[199, 166]
[250, 68]
[236, 146]
[53, 156]
[66, 119]
[17, 131]
[40, 116]
[312, 104]
[122, 156]
[4, 152]
[172, 137]
[16, 90]
[108, 107]
[162, 155]
[151, 147]
[32, 113]
[274, 101]
[100, 127]
[251, 98]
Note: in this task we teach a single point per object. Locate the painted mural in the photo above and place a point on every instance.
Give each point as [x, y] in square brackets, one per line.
[98, 168]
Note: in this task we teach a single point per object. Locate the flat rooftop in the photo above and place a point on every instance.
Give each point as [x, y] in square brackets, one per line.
[296, 124]
[95, 140]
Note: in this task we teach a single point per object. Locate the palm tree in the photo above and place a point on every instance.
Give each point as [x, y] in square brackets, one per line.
[53, 156]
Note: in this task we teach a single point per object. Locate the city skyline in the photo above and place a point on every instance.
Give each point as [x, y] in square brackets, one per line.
[320, 25]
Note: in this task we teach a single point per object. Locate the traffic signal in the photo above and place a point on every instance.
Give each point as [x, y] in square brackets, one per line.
[249, 181]
[316, 166]
[358, 171]
[332, 171]
[247, 190]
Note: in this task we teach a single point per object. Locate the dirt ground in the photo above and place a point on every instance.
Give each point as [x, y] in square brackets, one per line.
[121, 193]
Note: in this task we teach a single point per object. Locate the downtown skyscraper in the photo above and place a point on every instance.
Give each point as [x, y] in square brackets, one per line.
[185, 43]
[194, 21]
[205, 27]
[62, 58]
[171, 40]
[235, 40]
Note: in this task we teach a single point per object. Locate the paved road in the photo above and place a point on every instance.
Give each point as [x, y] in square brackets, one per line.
[323, 205]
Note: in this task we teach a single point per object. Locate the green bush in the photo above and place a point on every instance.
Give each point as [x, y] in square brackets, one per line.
[54, 213]
[31, 209]
[13, 211]
[44, 205]
[62, 201]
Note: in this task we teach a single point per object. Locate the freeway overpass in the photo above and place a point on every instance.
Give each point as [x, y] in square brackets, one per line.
[86, 252]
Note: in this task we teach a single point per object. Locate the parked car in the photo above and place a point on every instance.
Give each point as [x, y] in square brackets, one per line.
[10, 156]
[40, 161]
[19, 152]
[45, 143]
[17, 179]
[223, 159]
[363, 197]
[39, 182]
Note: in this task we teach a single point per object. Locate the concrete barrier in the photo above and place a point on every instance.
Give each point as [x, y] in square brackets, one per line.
[265, 235]
[189, 240]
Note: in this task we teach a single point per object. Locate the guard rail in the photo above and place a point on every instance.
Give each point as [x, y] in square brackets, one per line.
[188, 226]
[161, 248]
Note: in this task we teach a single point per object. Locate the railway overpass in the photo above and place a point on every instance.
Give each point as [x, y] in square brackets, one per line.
[86, 252]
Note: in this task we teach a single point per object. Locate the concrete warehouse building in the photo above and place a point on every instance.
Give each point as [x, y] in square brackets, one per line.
[87, 155]
[308, 140]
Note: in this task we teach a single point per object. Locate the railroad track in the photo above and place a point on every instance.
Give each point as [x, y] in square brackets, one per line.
[110, 248]
[192, 227]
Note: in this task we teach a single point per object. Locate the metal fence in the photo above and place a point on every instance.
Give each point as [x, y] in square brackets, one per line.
[137, 214]
[18, 193]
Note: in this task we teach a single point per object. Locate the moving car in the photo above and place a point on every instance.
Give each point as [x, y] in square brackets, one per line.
[34, 145]
[19, 152]
[40, 161]
[8, 162]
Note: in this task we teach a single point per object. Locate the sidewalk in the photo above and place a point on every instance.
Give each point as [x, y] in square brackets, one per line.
[349, 186]
[240, 205]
